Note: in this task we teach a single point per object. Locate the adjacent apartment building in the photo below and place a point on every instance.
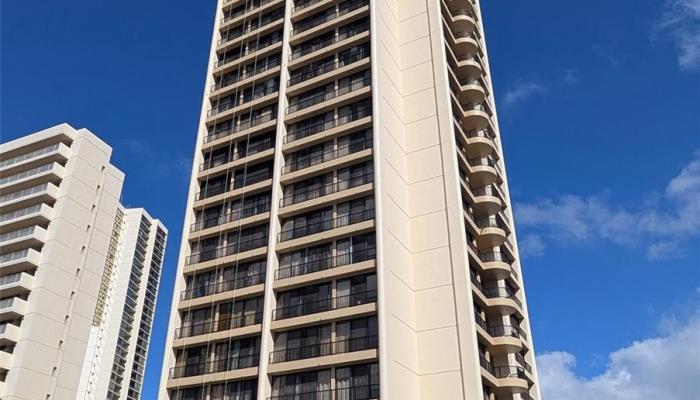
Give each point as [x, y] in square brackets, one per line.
[349, 233]
[79, 272]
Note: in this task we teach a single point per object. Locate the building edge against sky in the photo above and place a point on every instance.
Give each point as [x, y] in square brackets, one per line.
[78, 272]
[349, 231]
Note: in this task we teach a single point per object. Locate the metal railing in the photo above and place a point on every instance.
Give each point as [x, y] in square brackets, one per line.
[367, 392]
[20, 213]
[326, 225]
[502, 371]
[227, 250]
[210, 367]
[225, 286]
[241, 101]
[249, 7]
[324, 349]
[301, 131]
[329, 95]
[12, 278]
[15, 255]
[304, 4]
[495, 292]
[238, 183]
[305, 49]
[260, 67]
[20, 233]
[236, 215]
[222, 159]
[323, 264]
[242, 126]
[224, 324]
[326, 304]
[29, 156]
[344, 8]
[26, 174]
[316, 192]
[326, 67]
[314, 159]
[23, 193]
[247, 51]
[498, 330]
[521, 360]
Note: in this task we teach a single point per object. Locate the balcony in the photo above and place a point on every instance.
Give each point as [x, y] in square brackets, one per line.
[250, 28]
[221, 325]
[259, 67]
[368, 392]
[475, 116]
[51, 172]
[323, 98]
[223, 159]
[487, 200]
[466, 65]
[5, 360]
[302, 162]
[313, 129]
[58, 152]
[352, 61]
[252, 8]
[327, 263]
[211, 367]
[228, 250]
[242, 126]
[492, 232]
[260, 49]
[326, 225]
[464, 42]
[503, 338]
[338, 42]
[12, 308]
[483, 171]
[472, 90]
[44, 193]
[223, 287]
[33, 236]
[317, 192]
[521, 360]
[324, 349]
[21, 260]
[462, 19]
[16, 284]
[497, 265]
[233, 216]
[322, 305]
[343, 9]
[507, 377]
[37, 214]
[500, 299]
[9, 334]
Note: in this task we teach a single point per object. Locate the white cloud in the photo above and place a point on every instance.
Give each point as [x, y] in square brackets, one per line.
[666, 367]
[662, 225]
[531, 245]
[522, 92]
[681, 22]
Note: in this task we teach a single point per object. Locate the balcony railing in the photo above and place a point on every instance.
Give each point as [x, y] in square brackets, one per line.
[241, 126]
[303, 162]
[311, 266]
[15, 255]
[368, 392]
[257, 94]
[345, 8]
[491, 222]
[236, 215]
[210, 367]
[498, 330]
[23, 193]
[20, 233]
[483, 162]
[247, 51]
[29, 156]
[327, 96]
[222, 159]
[26, 174]
[324, 349]
[326, 67]
[222, 287]
[259, 68]
[302, 131]
[495, 292]
[238, 183]
[303, 50]
[9, 279]
[20, 213]
[300, 5]
[502, 371]
[521, 360]
[7, 303]
[227, 250]
[224, 324]
[326, 304]
[326, 225]
[316, 192]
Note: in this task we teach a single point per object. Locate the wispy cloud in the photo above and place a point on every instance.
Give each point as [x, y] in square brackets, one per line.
[663, 225]
[665, 367]
[531, 245]
[522, 92]
[610, 54]
[681, 23]
[158, 161]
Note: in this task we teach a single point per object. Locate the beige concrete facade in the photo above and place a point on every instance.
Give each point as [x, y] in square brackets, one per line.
[60, 228]
[383, 261]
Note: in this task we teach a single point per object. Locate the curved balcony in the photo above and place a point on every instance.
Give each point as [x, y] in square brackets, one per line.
[487, 200]
[496, 265]
[465, 42]
[492, 232]
[483, 171]
[475, 117]
[472, 90]
[462, 19]
[504, 378]
[498, 299]
[468, 66]
[502, 338]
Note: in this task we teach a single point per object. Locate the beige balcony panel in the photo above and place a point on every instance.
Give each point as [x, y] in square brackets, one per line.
[5, 360]
[490, 237]
[48, 195]
[360, 124]
[487, 204]
[328, 77]
[39, 217]
[330, 24]
[497, 306]
[17, 309]
[322, 362]
[227, 139]
[224, 228]
[482, 175]
[334, 48]
[339, 101]
[325, 275]
[237, 374]
[220, 297]
[505, 385]
[325, 316]
[26, 263]
[232, 194]
[227, 260]
[500, 344]
[475, 120]
[60, 155]
[246, 82]
[254, 158]
[10, 334]
[459, 21]
[23, 284]
[34, 239]
[53, 175]
[348, 194]
[326, 166]
[191, 341]
[337, 233]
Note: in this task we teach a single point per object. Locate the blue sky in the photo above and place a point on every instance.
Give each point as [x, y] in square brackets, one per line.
[599, 106]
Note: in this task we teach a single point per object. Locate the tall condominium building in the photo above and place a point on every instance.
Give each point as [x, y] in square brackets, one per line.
[78, 272]
[349, 233]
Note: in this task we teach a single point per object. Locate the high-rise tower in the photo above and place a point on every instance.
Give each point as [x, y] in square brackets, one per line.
[349, 233]
[78, 271]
